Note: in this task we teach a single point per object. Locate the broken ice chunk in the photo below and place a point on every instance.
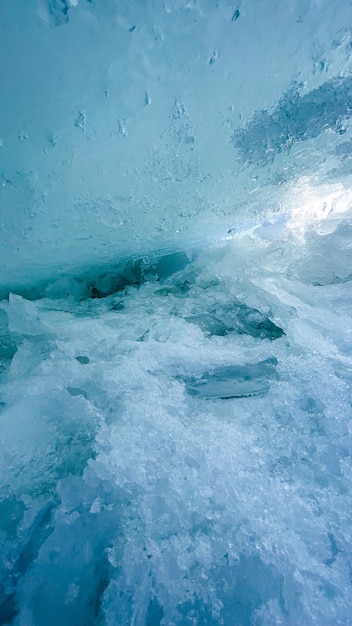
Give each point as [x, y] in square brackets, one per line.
[256, 324]
[209, 324]
[23, 317]
[233, 381]
[7, 346]
[174, 290]
[241, 318]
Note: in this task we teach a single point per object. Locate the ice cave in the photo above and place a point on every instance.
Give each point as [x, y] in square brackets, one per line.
[176, 313]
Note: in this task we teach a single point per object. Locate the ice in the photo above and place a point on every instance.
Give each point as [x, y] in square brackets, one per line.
[7, 345]
[239, 318]
[233, 381]
[175, 313]
[244, 319]
[296, 118]
[23, 317]
[185, 122]
[141, 496]
[209, 324]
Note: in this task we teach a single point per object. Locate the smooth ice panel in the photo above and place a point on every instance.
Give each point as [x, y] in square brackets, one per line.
[233, 381]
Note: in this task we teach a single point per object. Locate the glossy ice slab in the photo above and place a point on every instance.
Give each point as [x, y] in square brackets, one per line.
[237, 317]
[233, 381]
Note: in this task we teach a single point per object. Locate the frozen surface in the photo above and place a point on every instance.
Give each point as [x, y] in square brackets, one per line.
[132, 493]
[175, 313]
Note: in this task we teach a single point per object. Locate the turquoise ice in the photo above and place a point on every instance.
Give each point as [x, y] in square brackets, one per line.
[175, 313]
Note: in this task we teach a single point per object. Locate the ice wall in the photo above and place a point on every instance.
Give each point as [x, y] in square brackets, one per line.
[129, 126]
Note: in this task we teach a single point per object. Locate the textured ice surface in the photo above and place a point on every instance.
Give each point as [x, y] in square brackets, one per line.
[175, 313]
[132, 126]
[125, 499]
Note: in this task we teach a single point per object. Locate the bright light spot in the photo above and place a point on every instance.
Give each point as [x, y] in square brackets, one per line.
[310, 205]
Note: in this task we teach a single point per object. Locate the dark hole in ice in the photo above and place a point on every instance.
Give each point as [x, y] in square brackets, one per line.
[82, 359]
[136, 272]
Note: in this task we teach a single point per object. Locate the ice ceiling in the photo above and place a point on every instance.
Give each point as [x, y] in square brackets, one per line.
[128, 127]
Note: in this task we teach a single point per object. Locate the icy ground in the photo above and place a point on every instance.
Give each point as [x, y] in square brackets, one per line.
[175, 313]
[132, 491]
